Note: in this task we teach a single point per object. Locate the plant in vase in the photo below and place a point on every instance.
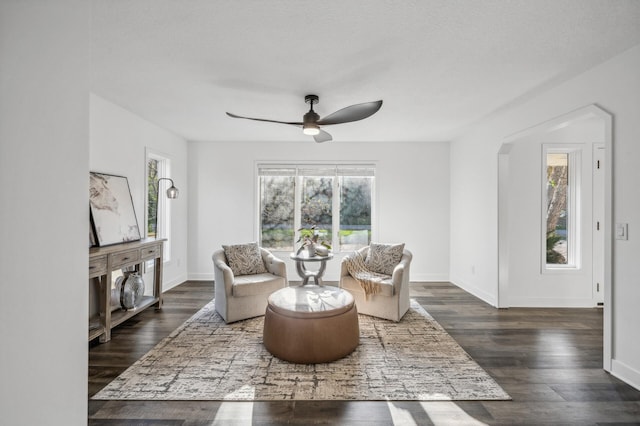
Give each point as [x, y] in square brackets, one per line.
[309, 238]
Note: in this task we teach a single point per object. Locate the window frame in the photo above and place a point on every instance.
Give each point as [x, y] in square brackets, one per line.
[163, 210]
[574, 209]
[297, 166]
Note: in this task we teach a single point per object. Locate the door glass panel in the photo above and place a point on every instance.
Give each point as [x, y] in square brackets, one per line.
[557, 209]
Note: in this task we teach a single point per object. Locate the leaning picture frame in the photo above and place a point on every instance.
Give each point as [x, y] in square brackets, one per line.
[113, 216]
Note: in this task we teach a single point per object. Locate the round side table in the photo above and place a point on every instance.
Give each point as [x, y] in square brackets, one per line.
[304, 273]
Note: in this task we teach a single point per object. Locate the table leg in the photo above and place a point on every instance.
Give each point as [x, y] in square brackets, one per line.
[306, 274]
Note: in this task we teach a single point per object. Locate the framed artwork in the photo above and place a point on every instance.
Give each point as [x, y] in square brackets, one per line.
[112, 215]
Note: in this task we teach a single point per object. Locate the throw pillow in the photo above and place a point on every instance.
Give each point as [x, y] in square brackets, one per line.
[382, 258]
[245, 259]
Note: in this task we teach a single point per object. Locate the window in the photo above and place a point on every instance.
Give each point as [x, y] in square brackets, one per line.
[561, 187]
[337, 199]
[355, 210]
[158, 223]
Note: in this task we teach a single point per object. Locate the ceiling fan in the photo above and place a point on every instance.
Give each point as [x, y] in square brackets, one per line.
[311, 121]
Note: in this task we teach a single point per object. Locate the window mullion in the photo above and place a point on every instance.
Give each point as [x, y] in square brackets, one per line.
[297, 214]
[335, 214]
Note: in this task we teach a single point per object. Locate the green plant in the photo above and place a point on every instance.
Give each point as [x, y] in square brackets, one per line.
[310, 235]
[553, 257]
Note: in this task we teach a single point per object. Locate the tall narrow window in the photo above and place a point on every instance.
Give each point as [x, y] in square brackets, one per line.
[277, 209]
[152, 196]
[356, 189]
[317, 201]
[334, 199]
[158, 223]
[561, 212]
[557, 208]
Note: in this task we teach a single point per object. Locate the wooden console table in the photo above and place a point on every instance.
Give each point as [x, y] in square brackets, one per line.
[103, 261]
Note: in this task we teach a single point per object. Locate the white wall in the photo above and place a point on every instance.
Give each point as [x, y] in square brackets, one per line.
[44, 166]
[118, 140]
[614, 86]
[412, 198]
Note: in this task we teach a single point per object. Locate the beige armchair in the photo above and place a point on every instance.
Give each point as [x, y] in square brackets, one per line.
[392, 300]
[239, 297]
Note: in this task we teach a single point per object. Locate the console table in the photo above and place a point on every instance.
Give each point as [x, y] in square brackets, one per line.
[103, 261]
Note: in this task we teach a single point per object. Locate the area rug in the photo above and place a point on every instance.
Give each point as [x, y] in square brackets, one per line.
[206, 359]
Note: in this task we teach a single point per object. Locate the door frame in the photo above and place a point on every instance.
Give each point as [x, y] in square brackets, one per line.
[599, 151]
[589, 111]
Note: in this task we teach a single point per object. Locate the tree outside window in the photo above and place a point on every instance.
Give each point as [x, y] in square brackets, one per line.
[152, 196]
[557, 196]
[561, 211]
[355, 212]
[277, 228]
[158, 218]
[317, 206]
[336, 200]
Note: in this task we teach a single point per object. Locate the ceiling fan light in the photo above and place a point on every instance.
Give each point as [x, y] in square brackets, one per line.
[310, 129]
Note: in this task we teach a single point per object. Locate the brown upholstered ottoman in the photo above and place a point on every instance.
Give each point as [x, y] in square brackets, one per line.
[311, 324]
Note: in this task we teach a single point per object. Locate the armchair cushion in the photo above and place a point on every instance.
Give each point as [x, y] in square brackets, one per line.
[384, 285]
[251, 285]
[383, 258]
[245, 259]
[369, 280]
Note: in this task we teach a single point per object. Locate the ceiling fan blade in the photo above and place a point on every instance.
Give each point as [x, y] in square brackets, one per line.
[322, 137]
[295, 123]
[352, 113]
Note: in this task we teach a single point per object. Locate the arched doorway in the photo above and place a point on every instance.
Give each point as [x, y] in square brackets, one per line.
[524, 277]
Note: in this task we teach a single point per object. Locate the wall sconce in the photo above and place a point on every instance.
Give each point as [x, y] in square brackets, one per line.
[172, 192]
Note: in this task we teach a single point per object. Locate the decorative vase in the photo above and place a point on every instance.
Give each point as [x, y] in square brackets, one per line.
[308, 250]
[322, 250]
[311, 250]
[131, 290]
[115, 293]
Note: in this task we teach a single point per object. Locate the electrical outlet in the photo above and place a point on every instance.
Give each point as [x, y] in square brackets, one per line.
[622, 231]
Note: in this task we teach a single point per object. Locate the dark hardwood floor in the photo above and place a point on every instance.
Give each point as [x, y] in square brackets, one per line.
[548, 360]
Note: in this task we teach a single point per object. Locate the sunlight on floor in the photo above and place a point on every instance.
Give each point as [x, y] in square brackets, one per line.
[400, 416]
[562, 343]
[236, 413]
[440, 413]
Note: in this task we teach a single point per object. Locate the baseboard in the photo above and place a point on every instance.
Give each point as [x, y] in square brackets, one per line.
[477, 292]
[551, 303]
[625, 373]
[200, 277]
[168, 285]
[438, 278]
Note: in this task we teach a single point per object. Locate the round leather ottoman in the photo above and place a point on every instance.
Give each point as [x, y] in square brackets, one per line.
[311, 324]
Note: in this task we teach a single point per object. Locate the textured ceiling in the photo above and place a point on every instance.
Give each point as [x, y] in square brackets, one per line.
[439, 65]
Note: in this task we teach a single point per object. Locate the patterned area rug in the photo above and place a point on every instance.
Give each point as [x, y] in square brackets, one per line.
[206, 359]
